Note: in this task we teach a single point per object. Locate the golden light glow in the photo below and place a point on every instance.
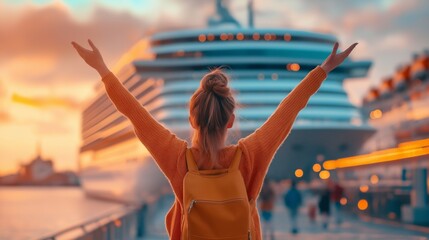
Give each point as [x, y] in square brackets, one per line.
[330, 165]
[324, 174]
[26, 101]
[40, 102]
[138, 51]
[202, 38]
[317, 167]
[256, 36]
[299, 173]
[415, 144]
[240, 36]
[343, 201]
[405, 151]
[223, 36]
[362, 204]
[364, 188]
[293, 67]
[374, 179]
[118, 223]
[376, 114]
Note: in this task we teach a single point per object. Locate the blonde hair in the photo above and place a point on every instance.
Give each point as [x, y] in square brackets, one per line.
[210, 109]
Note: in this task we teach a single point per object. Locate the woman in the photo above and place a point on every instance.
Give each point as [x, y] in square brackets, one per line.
[211, 114]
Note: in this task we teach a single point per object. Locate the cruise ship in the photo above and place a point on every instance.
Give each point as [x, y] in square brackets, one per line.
[390, 174]
[265, 64]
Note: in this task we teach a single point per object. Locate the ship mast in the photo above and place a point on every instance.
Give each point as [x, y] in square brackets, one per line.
[250, 13]
[222, 16]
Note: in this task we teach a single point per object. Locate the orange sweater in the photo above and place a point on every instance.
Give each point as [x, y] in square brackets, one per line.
[258, 148]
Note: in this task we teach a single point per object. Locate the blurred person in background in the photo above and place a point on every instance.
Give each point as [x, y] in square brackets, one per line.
[324, 207]
[267, 198]
[312, 207]
[292, 201]
[336, 195]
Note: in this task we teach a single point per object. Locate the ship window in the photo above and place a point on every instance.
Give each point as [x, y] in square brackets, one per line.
[210, 37]
[293, 67]
[241, 52]
[241, 36]
[256, 36]
[274, 76]
[233, 66]
[267, 37]
[287, 37]
[180, 53]
[202, 38]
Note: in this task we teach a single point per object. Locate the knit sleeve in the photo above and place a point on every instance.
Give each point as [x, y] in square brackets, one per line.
[262, 144]
[163, 145]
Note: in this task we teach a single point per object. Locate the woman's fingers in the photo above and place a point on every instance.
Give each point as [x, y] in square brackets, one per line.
[94, 48]
[334, 50]
[81, 50]
[91, 57]
[334, 59]
[349, 50]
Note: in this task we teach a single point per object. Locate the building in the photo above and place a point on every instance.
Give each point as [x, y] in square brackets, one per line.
[37, 169]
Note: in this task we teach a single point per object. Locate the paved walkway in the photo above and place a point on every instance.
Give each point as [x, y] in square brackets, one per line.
[351, 228]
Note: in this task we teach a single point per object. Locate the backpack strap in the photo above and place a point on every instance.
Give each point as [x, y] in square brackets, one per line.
[192, 166]
[236, 161]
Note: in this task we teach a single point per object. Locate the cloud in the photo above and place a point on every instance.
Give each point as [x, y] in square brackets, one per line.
[3, 90]
[4, 114]
[36, 48]
[37, 59]
[46, 128]
[4, 117]
[395, 41]
[389, 32]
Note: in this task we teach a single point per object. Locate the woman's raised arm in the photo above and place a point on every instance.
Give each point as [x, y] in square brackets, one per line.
[262, 144]
[163, 145]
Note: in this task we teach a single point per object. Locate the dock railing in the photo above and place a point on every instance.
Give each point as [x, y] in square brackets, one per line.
[122, 224]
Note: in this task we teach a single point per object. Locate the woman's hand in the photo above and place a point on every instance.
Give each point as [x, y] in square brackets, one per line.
[92, 58]
[334, 59]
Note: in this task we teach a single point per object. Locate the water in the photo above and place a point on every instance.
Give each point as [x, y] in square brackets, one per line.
[34, 212]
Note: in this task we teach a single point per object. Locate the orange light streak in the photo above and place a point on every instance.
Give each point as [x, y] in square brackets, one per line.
[403, 151]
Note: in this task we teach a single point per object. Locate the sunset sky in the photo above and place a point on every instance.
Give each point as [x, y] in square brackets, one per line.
[43, 82]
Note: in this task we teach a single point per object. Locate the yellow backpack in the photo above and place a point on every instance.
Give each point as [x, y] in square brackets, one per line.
[215, 203]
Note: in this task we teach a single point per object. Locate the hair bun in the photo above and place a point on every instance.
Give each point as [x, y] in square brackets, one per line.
[216, 82]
